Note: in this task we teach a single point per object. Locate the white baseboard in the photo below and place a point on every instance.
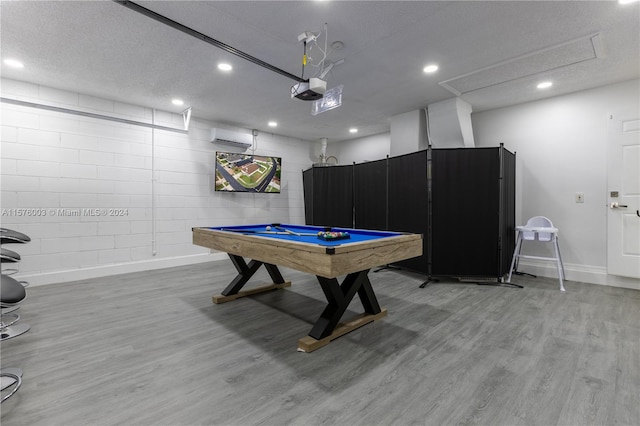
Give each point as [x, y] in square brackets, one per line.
[625, 282]
[581, 273]
[121, 268]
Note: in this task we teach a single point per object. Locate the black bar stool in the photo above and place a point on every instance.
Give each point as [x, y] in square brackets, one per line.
[9, 256]
[10, 236]
[10, 378]
[12, 293]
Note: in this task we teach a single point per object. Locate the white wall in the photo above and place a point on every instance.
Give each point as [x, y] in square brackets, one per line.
[408, 132]
[368, 148]
[57, 164]
[560, 144]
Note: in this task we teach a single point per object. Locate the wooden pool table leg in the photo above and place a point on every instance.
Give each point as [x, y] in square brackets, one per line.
[327, 327]
[245, 272]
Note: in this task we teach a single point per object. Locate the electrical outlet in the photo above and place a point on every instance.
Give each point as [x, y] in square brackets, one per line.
[579, 197]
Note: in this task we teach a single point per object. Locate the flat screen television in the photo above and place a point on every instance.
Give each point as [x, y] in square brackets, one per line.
[247, 173]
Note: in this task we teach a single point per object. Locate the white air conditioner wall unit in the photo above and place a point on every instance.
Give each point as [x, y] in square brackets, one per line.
[229, 137]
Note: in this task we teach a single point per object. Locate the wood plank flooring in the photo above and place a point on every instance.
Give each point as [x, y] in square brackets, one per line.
[152, 349]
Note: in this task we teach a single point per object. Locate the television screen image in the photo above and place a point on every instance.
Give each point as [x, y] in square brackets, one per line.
[247, 173]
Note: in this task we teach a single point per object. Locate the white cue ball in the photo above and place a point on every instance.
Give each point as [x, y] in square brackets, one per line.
[268, 228]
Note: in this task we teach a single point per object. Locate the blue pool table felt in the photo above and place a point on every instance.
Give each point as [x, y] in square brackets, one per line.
[356, 235]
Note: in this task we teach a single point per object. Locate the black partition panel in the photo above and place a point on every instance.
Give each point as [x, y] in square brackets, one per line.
[331, 196]
[407, 189]
[465, 218]
[307, 187]
[508, 216]
[370, 195]
[461, 200]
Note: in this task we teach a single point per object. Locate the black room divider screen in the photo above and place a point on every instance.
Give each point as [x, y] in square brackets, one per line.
[408, 202]
[370, 192]
[461, 200]
[328, 196]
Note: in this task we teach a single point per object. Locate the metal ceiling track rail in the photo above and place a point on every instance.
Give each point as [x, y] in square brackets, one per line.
[203, 37]
[89, 114]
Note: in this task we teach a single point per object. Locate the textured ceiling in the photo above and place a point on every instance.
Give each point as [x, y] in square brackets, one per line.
[492, 52]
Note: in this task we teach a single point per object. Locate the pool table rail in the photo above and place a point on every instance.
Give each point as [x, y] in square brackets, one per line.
[329, 262]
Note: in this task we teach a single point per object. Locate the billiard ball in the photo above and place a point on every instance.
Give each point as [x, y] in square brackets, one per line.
[268, 228]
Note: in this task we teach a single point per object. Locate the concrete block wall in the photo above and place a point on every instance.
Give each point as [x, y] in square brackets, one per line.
[100, 197]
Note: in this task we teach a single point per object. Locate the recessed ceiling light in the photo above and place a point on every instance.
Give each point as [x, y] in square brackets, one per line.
[224, 67]
[353, 130]
[545, 85]
[627, 1]
[430, 68]
[177, 101]
[273, 124]
[14, 63]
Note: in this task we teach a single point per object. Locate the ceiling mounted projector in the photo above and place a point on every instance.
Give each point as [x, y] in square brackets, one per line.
[309, 91]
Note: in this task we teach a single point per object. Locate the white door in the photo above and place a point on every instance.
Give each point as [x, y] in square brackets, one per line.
[623, 221]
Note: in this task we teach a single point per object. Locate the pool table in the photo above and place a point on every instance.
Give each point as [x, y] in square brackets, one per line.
[299, 247]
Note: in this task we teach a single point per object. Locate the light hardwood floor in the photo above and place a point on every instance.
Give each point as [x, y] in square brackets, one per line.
[151, 349]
